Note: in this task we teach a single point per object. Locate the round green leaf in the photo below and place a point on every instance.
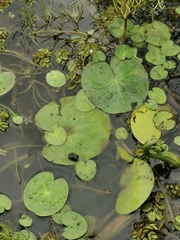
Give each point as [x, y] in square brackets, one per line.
[99, 56]
[157, 33]
[25, 220]
[45, 196]
[124, 51]
[151, 104]
[170, 49]
[162, 120]
[137, 33]
[155, 57]
[83, 103]
[177, 10]
[57, 136]
[7, 81]
[121, 133]
[169, 64]
[5, 203]
[55, 78]
[158, 95]
[177, 140]
[158, 73]
[57, 216]
[86, 170]
[24, 235]
[76, 225]
[117, 27]
[137, 181]
[115, 88]
[142, 124]
[17, 119]
[87, 132]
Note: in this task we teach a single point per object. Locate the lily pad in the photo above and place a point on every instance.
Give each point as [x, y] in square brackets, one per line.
[57, 136]
[158, 73]
[17, 119]
[117, 87]
[57, 216]
[158, 95]
[83, 103]
[124, 51]
[163, 121]
[5, 203]
[7, 81]
[121, 133]
[87, 132]
[137, 181]
[76, 225]
[24, 235]
[142, 124]
[99, 56]
[177, 140]
[151, 104]
[169, 64]
[138, 33]
[157, 33]
[155, 57]
[170, 49]
[25, 220]
[45, 196]
[55, 78]
[117, 27]
[86, 170]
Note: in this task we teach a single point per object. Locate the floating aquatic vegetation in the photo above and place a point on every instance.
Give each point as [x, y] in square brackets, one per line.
[61, 55]
[5, 203]
[4, 4]
[3, 37]
[43, 57]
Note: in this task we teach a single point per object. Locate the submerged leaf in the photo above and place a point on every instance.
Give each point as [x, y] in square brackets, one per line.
[137, 181]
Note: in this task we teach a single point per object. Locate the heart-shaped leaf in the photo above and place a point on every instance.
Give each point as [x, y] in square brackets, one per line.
[57, 136]
[76, 225]
[137, 181]
[5, 203]
[163, 120]
[86, 170]
[45, 196]
[158, 95]
[55, 78]
[158, 73]
[155, 57]
[25, 220]
[170, 49]
[124, 51]
[7, 81]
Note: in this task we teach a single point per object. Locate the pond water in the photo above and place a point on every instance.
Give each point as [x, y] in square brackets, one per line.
[21, 145]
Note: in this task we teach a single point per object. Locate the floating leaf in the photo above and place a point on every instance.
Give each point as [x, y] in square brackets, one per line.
[24, 235]
[25, 220]
[142, 124]
[137, 33]
[45, 196]
[177, 10]
[117, 27]
[76, 225]
[86, 170]
[57, 136]
[99, 56]
[169, 64]
[155, 57]
[158, 73]
[83, 103]
[17, 119]
[57, 216]
[5, 203]
[170, 49]
[157, 33]
[7, 81]
[162, 120]
[124, 155]
[123, 51]
[158, 95]
[55, 78]
[87, 132]
[115, 88]
[177, 140]
[133, 193]
[151, 104]
[121, 133]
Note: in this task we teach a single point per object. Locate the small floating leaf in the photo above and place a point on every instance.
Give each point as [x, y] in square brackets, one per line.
[155, 57]
[76, 225]
[151, 104]
[57, 216]
[158, 73]
[24, 235]
[162, 120]
[57, 136]
[45, 196]
[169, 64]
[170, 49]
[124, 51]
[25, 220]
[17, 119]
[7, 81]
[121, 133]
[5, 203]
[83, 103]
[158, 95]
[177, 140]
[99, 56]
[86, 170]
[55, 78]
[133, 179]
[117, 27]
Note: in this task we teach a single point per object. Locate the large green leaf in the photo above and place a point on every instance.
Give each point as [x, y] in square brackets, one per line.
[87, 133]
[115, 88]
[137, 181]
